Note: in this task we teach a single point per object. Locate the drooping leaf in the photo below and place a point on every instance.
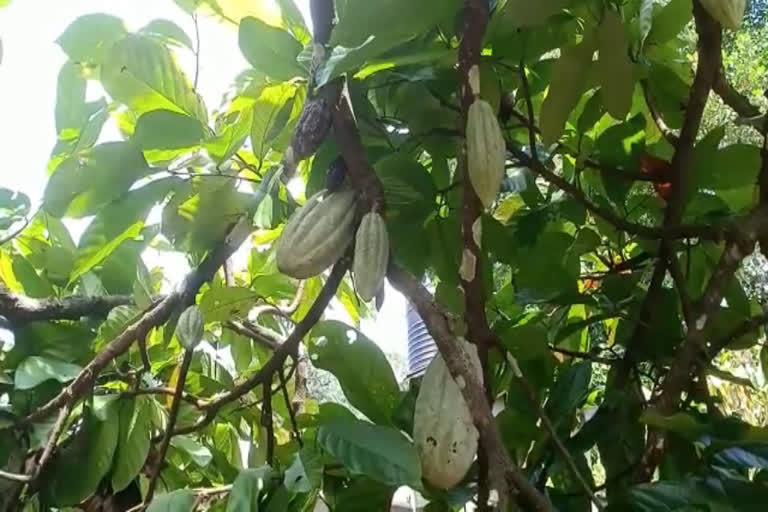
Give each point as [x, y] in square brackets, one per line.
[35, 369]
[269, 49]
[360, 366]
[669, 20]
[180, 500]
[133, 443]
[199, 454]
[569, 80]
[142, 73]
[167, 31]
[381, 453]
[189, 328]
[83, 184]
[247, 488]
[89, 37]
[305, 472]
[265, 116]
[614, 69]
[166, 129]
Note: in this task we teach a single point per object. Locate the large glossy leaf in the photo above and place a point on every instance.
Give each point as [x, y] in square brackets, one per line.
[360, 366]
[142, 73]
[364, 494]
[34, 370]
[220, 303]
[570, 390]
[266, 116]
[181, 500]
[133, 443]
[381, 453]
[167, 31]
[83, 184]
[121, 220]
[246, 489]
[669, 20]
[89, 37]
[231, 135]
[305, 472]
[731, 167]
[269, 49]
[569, 81]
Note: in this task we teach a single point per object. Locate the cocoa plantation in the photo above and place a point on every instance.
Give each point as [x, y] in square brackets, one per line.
[571, 196]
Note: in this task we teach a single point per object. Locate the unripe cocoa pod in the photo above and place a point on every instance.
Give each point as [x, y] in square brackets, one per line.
[317, 234]
[443, 431]
[728, 13]
[371, 255]
[486, 151]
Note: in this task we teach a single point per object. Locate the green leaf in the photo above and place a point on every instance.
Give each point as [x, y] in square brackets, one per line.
[570, 390]
[35, 369]
[265, 116]
[121, 220]
[360, 366]
[305, 472]
[645, 19]
[199, 454]
[189, 328]
[522, 13]
[363, 495]
[142, 73]
[569, 81]
[14, 206]
[220, 303]
[246, 489]
[731, 167]
[82, 185]
[89, 37]
[70, 100]
[269, 49]
[181, 500]
[381, 453]
[167, 31]
[230, 138]
[80, 466]
[669, 20]
[614, 69]
[408, 186]
[744, 456]
[133, 443]
[166, 129]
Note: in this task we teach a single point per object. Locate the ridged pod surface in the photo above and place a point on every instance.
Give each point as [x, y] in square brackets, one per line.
[371, 255]
[486, 151]
[728, 13]
[443, 432]
[317, 234]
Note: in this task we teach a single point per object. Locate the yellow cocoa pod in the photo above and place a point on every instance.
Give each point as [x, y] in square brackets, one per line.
[371, 255]
[486, 151]
[443, 431]
[317, 234]
[728, 13]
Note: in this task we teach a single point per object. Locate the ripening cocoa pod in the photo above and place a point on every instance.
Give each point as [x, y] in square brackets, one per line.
[317, 234]
[728, 13]
[486, 151]
[312, 128]
[443, 431]
[371, 255]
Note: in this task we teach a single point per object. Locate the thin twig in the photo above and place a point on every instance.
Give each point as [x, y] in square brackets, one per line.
[289, 406]
[10, 236]
[172, 416]
[268, 422]
[53, 438]
[197, 50]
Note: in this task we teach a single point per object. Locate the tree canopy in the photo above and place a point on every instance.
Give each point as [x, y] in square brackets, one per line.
[610, 288]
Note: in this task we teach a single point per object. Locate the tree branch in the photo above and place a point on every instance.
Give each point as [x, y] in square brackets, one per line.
[733, 98]
[19, 309]
[156, 314]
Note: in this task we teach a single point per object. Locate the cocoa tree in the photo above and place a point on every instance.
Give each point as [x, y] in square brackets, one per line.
[537, 178]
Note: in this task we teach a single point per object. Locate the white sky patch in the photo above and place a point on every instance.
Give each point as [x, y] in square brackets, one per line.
[28, 73]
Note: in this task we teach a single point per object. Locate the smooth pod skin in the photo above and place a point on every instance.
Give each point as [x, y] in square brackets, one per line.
[317, 234]
[371, 255]
[443, 431]
[486, 151]
[729, 13]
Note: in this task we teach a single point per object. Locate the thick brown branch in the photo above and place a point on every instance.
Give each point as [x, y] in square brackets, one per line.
[19, 309]
[257, 333]
[733, 98]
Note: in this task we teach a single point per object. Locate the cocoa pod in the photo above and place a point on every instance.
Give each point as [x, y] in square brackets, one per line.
[443, 431]
[486, 151]
[317, 234]
[371, 255]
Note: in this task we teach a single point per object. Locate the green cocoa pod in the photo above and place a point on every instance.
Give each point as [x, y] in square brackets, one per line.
[443, 431]
[486, 151]
[317, 234]
[371, 255]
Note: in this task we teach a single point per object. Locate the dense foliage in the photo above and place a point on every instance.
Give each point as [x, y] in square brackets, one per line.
[604, 289]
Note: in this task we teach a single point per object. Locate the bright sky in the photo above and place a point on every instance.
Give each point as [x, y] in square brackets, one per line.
[30, 64]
